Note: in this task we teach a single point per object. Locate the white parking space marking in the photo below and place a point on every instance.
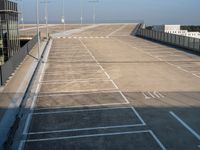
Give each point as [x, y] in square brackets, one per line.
[155, 94]
[71, 80]
[113, 32]
[83, 93]
[70, 72]
[80, 110]
[75, 81]
[90, 37]
[76, 91]
[99, 135]
[185, 125]
[104, 71]
[92, 128]
[196, 75]
[80, 106]
[84, 129]
[158, 58]
[112, 80]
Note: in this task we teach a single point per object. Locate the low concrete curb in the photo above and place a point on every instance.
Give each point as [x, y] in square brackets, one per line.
[10, 117]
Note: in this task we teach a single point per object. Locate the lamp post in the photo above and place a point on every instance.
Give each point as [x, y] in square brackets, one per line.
[38, 31]
[46, 17]
[63, 14]
[81, 12]
[94, 9]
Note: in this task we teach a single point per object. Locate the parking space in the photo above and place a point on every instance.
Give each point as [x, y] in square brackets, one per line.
[116, 92]
[117, 141]
[89, 119]
[89, 99]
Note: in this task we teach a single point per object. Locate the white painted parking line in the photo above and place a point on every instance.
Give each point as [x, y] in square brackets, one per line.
[84, 129]
[198, 146]
[196, 75]
[71, 72]
[146, 96]
[80, 110]
[104, 71]
[28, 119]
[180, 68]
[81, 106]
[83, 93]
[76, 81]
[118, 29]
[98, 135]
[170, 56]
[92, 128]
[72, 56]
[75, 91]
[185, 125]
[161, 52]
[71, 80]
[154, 94]
[157, 140]
[110, 78]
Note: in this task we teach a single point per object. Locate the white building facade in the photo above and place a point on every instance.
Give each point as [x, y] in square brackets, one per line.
[176, 29]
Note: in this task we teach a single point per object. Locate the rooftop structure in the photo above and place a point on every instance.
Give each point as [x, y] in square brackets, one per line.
[9, 36]
[176, 29]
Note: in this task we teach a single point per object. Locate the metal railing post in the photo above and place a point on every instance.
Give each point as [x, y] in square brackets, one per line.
[199, 45]
[188, 42]
[1, 82]
[193, 43]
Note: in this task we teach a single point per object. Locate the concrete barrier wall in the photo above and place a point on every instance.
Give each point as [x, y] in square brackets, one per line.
[8, 68]
[171, 39]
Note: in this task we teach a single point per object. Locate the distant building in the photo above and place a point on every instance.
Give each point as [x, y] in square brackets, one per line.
[9, 35]
[176, 29]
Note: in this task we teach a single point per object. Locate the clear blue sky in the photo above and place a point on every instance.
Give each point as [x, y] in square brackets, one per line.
[151, 11]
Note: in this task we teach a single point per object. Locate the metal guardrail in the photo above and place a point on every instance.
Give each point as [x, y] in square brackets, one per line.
[8, 68]
[171, 39]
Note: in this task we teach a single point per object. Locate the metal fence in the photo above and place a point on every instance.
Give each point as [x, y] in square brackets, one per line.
[9, 67]
[171, 39]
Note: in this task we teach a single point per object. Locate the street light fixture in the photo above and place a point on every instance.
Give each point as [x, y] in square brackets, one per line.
[94, 9]
[63, 14]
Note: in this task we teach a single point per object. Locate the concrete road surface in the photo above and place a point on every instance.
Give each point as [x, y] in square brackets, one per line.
[103, 89]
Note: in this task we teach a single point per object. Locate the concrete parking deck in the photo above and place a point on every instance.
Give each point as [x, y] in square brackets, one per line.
[105, 89]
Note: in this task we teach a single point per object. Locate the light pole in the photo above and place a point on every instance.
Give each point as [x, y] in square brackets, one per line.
[38, 31]
[81, 12]
[94, 9]
[46, 17]
[63, 14]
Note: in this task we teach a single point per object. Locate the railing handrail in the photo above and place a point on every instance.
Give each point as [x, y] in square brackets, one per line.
[190, 43]
[9, 66]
